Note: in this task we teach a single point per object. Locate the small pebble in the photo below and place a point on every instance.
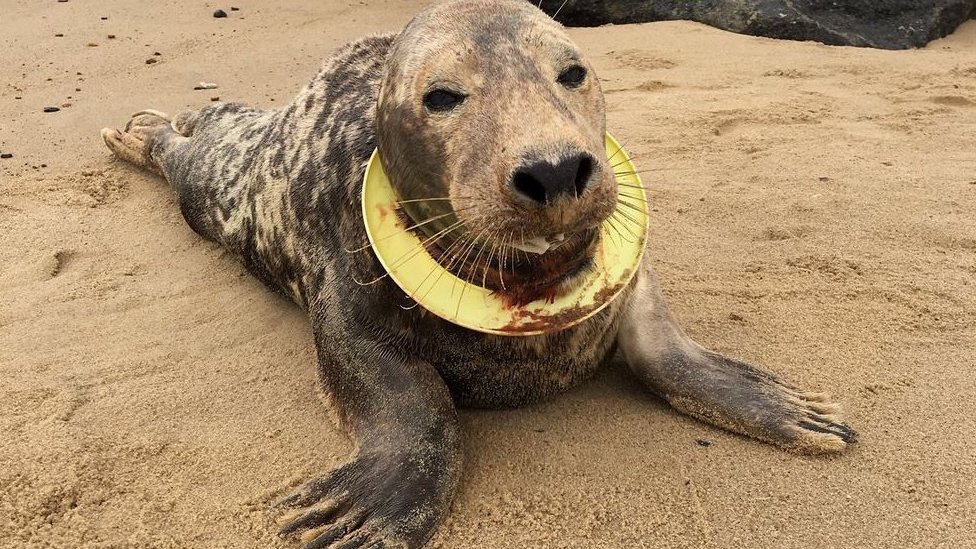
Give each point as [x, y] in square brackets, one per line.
[51, 109]
[151, 60]
[104, 18]
[205, 86]
[703, 442]
[7, 155]
[156, 53]
[232, 8]
[93, 44]
[65, 105]
[59, 35]
[220, 14]
[215, 98]
[111, 37]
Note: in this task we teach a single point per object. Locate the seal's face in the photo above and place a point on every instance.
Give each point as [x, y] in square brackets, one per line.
[491, 127]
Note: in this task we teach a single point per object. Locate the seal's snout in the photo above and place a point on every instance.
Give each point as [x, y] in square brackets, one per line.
[543, 182]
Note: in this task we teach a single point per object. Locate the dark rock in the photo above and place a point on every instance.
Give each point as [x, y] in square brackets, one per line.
[151, 60]
[220, 14]
[232, 8]
[52, 109]
[704, 443]
[886, 24]
[6, 155]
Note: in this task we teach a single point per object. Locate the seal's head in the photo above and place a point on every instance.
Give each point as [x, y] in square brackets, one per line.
[491, 128]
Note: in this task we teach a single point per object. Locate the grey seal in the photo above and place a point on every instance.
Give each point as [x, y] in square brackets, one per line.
[491, 120]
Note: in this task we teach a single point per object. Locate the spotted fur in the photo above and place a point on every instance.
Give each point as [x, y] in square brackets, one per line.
[281, 188]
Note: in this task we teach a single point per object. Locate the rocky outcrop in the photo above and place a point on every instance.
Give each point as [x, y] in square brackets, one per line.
[887, 24]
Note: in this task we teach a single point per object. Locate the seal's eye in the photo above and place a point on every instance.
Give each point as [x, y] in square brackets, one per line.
[441, 100]
[572, 77]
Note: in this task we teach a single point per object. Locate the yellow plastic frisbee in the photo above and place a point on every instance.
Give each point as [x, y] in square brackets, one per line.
[406, 260]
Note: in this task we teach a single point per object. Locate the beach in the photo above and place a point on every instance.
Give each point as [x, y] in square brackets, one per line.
[813, 210]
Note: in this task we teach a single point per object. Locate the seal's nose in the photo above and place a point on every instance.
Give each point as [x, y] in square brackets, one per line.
[543, 182]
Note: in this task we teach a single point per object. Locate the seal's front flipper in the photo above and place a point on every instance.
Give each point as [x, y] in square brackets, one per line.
[400, 480]
[723, 391]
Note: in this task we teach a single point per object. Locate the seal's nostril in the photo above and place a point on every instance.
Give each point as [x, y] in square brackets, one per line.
[544, 183]
[529, 186]
[583, 174]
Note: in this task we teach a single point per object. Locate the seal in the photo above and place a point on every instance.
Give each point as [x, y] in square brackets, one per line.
[490, 124]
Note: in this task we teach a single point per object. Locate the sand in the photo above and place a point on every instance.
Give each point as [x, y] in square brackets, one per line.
[813, 211]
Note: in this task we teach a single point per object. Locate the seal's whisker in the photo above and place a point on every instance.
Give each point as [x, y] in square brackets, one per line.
[432, 271]
[464, 255]
[459, 242]
[628, 217]
[620, 173]
[563, 5]
[624, 224]
[501, 255]
[465, 286]
[631, 206]
[614, 155]
[522, 238]
[629, 186]
[413, 253]
[421, 224]
[477, 258]
[626, 160]
[491, 253]
[634, 172]
[620, 233]
[628, 197]
[609, 223]
[439, 198]
[514, 252]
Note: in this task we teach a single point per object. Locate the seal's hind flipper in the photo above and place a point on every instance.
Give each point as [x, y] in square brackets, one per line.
[144, 131]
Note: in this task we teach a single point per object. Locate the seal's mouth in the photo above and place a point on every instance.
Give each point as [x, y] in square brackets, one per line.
[470, 273]
[540, 245]
[523, 270]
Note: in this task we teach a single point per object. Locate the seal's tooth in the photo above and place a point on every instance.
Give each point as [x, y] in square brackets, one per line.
[537, 245]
